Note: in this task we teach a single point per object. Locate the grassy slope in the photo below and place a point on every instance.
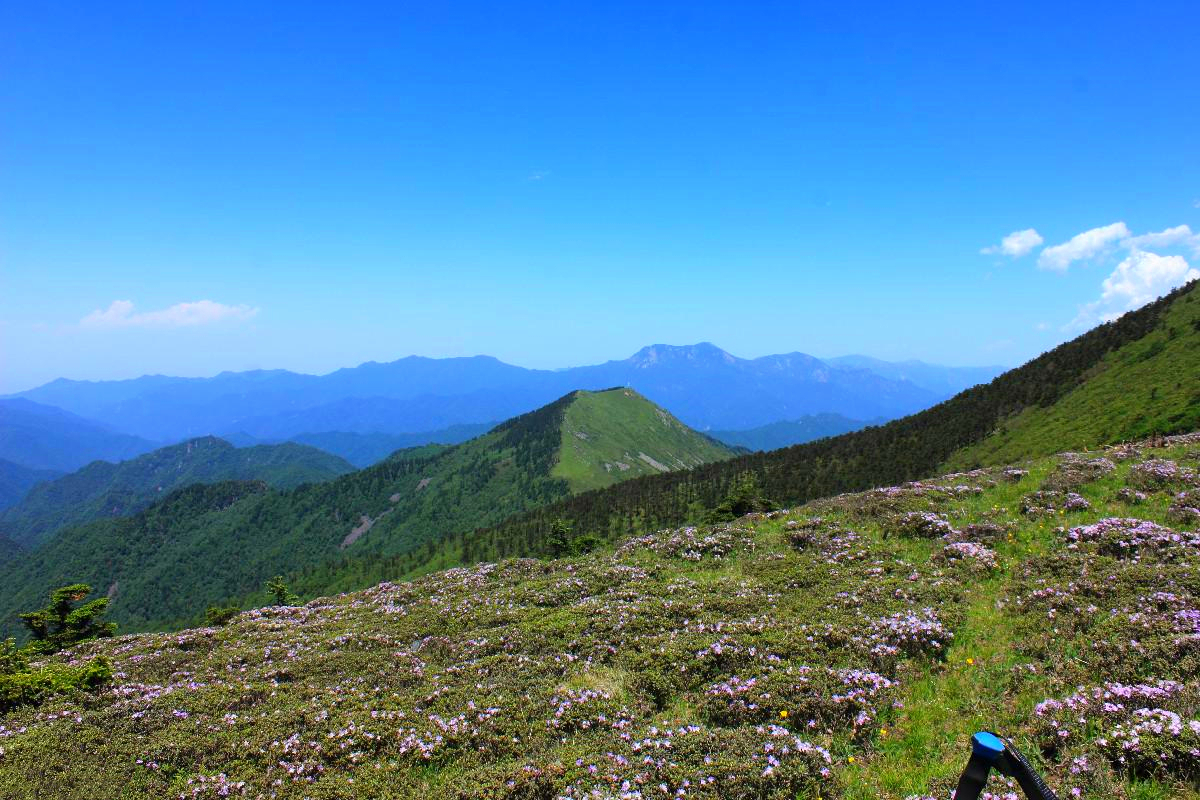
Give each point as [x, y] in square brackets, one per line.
[1148, 386]
[683, 659]
[605, 434]
[102, 489]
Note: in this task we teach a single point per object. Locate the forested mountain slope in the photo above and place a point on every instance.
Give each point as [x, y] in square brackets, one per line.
[9, 550]
[102, 489]
[1149, 386]
[365, 449]
[402, 505]
[608, 437]
[845, 650]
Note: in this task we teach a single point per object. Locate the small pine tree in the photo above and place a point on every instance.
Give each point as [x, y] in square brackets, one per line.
[280, 592]
[12, 658]
[559, 539]
[62, 624]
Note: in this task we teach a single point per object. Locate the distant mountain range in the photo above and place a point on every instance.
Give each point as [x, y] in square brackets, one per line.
[793, 431]
[365, 449]
[706, 387]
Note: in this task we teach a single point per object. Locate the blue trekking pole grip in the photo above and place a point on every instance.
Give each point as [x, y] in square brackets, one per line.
[991, 751]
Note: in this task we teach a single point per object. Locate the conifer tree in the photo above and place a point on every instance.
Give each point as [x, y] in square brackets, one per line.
[62, 624]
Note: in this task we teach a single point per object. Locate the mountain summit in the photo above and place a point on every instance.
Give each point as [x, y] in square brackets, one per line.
[702, 353]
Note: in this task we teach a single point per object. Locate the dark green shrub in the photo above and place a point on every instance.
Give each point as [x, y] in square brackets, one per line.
[217, 616]
[33, 686]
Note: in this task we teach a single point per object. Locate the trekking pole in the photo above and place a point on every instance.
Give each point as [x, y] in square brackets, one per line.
[990, 751]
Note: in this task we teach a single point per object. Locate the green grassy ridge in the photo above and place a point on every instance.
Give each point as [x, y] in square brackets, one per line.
[903, 449]
[397, 508]
[103, 489]
[1149, 386]
[614, 435]
[518, 678]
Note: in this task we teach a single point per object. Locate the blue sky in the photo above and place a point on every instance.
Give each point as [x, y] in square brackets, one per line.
[555, 184]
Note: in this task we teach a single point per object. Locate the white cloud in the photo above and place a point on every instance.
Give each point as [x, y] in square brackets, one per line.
[120, 314]
[1179, 236]
[1016, 244]
[1082, 246]
[1137, 280]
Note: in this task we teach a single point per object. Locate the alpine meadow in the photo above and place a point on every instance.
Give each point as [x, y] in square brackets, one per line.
[609, 401]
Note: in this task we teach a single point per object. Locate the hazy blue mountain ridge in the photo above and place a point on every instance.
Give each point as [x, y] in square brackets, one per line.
[43, 437]
[16, 480]
[786, 433]
[706, 387]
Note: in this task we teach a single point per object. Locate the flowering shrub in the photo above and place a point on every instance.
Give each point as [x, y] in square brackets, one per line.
[975, 556]
[823, 700]
[1051, 502]
[1075, 470]
[1139, 727]
[980, 533]
[1131, 496]
[690, 543]
[1185, 508]
[1159, 473]
[1135, 538]
[922, 524]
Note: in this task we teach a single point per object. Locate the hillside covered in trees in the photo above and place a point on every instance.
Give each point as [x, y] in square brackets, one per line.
[103, 489]
[148, 562]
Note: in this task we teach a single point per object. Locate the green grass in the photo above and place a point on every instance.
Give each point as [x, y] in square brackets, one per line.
[1146, 387]
[617, 434]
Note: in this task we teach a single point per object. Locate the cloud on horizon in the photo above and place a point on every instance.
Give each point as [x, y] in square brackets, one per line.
[1016, 244]
[1179, 236]
[1083, 247]
[1140, 278]
[120, 314]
